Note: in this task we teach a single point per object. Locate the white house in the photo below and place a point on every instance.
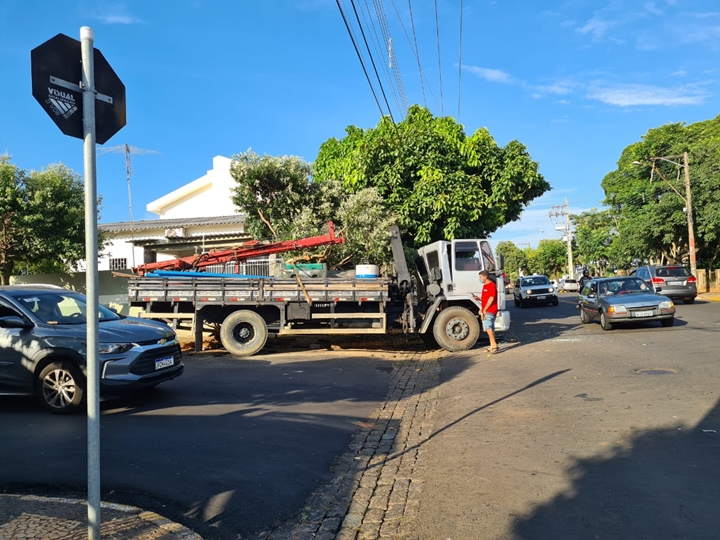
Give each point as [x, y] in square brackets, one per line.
[196, 217]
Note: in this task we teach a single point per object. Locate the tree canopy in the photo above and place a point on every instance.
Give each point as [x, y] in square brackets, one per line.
[441, 183]
[42, 218]
[651, 218]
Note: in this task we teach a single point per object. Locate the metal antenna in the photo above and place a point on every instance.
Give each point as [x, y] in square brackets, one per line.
[127, 150]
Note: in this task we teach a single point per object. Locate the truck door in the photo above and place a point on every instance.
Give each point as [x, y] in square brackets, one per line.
[489, 264]
[466, 263]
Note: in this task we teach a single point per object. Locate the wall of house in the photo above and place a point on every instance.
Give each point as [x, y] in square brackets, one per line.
[112, 290]
[212, 197]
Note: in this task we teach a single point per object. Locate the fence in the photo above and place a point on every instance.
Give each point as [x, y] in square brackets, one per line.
[708, 285]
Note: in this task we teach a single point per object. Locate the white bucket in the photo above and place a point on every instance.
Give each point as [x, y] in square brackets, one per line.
[367, 271]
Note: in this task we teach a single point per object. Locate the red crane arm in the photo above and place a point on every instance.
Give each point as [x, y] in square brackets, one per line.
[245, 251]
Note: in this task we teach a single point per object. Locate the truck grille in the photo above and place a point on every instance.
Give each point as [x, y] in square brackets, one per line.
[145, 363]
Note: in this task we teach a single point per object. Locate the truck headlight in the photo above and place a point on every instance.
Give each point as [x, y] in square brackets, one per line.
[115, 348]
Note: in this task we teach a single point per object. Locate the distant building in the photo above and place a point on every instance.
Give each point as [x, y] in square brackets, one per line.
[196, 217]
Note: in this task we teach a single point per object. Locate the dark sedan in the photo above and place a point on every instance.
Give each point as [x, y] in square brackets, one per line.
[623, 299]
[43, 348]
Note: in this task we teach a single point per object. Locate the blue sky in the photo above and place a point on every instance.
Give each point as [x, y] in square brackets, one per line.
[575, 81]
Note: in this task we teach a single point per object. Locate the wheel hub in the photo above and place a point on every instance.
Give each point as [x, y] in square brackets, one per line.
[457, 329]
[58, 388]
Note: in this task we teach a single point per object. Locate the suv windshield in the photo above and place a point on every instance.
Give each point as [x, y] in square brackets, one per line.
[60, 307]
[535, 280]
[672, 271]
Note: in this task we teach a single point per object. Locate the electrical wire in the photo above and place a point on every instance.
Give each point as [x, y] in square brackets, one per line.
[394, 64]
[437, 35]
[357, 51]
[460, 61]
[376, 42]
[417, 53]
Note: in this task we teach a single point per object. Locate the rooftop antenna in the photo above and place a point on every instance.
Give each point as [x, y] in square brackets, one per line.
[127, 150]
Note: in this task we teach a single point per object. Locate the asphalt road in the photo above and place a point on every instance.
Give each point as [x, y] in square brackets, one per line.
[575, 433]
[230, 448]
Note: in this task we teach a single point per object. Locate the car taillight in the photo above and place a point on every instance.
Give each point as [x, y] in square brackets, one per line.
[658, 280]
[692, 279]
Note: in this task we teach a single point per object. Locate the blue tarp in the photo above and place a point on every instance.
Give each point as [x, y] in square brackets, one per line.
[180, 274]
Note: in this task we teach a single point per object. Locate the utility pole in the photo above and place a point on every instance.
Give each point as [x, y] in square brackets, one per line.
[563, 211]
[687, 198]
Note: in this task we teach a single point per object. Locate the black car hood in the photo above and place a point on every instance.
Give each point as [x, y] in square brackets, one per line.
[132, 329]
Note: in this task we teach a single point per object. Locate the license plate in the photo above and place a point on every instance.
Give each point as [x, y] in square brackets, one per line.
[163, 362]
[674, 282]
[540, 297]
[643, 314]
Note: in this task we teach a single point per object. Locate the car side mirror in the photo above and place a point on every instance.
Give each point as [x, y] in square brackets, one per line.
[13, 321]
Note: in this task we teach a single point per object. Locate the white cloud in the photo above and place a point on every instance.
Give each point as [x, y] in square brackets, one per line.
[679, 73]
[627, 95]
[492, 75]
[650, 7]
[559, 89]
[596, 27]
[117, 14]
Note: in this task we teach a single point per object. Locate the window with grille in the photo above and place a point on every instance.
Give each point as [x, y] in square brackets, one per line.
[118, 264]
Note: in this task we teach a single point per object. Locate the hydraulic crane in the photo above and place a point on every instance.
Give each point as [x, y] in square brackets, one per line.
[242, 252]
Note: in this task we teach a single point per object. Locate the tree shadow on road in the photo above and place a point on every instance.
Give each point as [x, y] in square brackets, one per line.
[664, 484]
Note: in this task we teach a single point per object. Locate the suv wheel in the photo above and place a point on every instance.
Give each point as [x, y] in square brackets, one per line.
[688, 300]
[60, 387]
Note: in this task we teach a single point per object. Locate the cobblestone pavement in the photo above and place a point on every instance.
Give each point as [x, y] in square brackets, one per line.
[375, 490]
[41, 518]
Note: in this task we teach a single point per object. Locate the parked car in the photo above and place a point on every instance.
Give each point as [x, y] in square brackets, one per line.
[673, 281]
[43, 348]
[623, 299]
[569, 285]
[535, 289]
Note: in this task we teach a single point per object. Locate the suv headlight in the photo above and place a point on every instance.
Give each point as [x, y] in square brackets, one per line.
[115, 348]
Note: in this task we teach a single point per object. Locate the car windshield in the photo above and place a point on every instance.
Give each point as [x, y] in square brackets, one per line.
[672, 271]
[622, 286]
[60, 307]
[535, 280]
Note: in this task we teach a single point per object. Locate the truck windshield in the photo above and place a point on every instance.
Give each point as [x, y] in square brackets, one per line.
[467, 256]
[487, 255]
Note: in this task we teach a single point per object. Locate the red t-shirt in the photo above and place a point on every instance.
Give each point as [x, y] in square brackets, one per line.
[488, 290]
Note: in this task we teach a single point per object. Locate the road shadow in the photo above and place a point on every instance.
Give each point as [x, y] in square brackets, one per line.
[664, 484]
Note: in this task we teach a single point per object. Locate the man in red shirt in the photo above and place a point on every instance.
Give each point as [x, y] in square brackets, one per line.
[488, 308]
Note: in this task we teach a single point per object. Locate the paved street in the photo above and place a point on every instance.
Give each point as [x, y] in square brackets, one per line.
[569, 432]
[577, 433]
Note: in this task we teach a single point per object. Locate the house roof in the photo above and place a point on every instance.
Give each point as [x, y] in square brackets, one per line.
[154, 224]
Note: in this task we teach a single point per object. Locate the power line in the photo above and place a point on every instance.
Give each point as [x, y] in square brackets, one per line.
[437, 35]
[394, 66]
[417, 57]
[376, 42]
[460, 61]
[357, 51]
[417, 53]
[372, 61]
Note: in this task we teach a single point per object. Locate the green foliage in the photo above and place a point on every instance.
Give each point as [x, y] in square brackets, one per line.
[550, 258]
[441, 183]
[42, 219]
[514, 258]
[596, 234]
[651, 222]
[281, 200]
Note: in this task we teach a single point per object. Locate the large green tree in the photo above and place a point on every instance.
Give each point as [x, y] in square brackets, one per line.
[440, 182]
[551, 257]
[649, 201]
[283, 201]
[42, 219]
[596, 235]
[514, 258]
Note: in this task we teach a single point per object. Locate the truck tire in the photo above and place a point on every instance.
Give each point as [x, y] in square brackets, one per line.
[243, 333]
[60, 387]
[456, 329]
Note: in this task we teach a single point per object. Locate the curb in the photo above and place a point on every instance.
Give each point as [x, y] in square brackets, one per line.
[135, 523]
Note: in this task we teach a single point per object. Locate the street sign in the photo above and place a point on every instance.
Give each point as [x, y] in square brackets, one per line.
[56, 68]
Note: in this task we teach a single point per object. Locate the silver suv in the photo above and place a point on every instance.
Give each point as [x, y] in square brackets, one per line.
[535, 289]
[673, 281]
[43, 348]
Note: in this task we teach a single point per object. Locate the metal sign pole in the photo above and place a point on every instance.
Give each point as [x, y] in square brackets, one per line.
[87, 39]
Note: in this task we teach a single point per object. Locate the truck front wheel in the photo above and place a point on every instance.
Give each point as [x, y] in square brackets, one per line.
[243, 333]
[456, 329]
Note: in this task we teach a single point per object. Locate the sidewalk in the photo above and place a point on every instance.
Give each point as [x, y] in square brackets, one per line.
[709, 296]
[41, 518]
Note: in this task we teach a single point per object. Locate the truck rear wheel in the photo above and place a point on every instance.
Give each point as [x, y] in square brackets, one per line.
[243, 333]
[456, 329]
